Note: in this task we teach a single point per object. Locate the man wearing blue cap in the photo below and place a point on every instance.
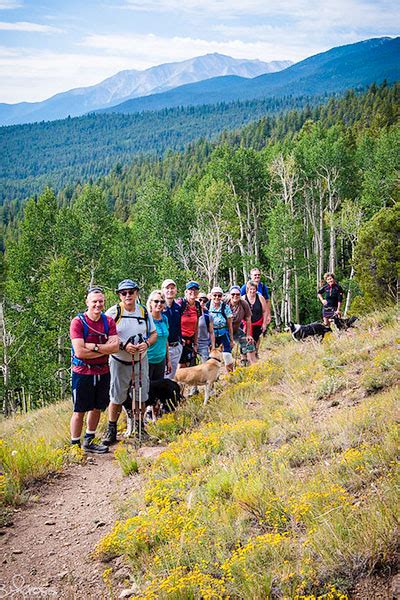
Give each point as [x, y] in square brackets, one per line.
[137, 332]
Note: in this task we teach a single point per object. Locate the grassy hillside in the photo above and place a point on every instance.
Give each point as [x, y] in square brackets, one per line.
[284, 486]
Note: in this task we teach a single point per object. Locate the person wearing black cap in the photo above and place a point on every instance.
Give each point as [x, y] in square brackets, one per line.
[94, 337]
[191, 312]
[173, 312]
[137, 332]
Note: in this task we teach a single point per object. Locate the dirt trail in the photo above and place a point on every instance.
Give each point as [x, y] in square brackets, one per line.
[46, 550]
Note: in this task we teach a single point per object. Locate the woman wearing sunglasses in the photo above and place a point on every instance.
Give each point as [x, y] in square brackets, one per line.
[222, 316]
[158, 354]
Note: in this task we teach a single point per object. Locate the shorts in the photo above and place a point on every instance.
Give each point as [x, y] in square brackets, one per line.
[204, 351]
[188, 356]
[121, 380]
[241, 339]
[328, 312]
[225, 340]
[257, 329]
[90, 392]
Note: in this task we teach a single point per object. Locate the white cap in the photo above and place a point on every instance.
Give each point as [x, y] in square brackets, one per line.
[167, 282]
[217, 290]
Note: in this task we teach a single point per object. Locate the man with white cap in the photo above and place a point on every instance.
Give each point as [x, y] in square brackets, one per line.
[173, 312]
[222, 315]
[137, 332]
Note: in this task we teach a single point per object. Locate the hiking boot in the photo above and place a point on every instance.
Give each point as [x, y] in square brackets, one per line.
[90, 446]
[110, 437]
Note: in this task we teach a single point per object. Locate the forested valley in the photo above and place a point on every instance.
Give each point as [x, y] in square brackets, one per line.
[313, 190]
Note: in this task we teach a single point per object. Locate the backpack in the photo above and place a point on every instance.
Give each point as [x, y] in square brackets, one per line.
[183, 304]
[223, 311]
[77, 362]
[144, 317]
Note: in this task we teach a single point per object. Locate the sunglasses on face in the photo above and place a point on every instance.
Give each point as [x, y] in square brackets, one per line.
[217, 295]
[159, 301]
[127, 292]
[235, 294]
[203, 299]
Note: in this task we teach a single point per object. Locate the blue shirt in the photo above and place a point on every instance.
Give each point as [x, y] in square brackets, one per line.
[261, 289]
[158, 351]
[173, 314]
[220, 323]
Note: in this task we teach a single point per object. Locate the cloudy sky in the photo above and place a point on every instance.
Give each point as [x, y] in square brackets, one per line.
[49, 46]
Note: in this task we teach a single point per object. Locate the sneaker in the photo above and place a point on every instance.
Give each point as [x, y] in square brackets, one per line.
[110, 437]
[90, 446]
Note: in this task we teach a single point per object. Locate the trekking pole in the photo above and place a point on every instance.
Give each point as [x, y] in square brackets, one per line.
[140, 391]
[133, 387]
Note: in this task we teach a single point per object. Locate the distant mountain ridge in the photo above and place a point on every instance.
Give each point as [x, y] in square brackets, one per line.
[131, 84]
[351, 66]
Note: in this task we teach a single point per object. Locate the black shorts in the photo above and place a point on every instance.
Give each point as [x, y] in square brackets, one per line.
[257, 329]
[90, 392]
[188, 356]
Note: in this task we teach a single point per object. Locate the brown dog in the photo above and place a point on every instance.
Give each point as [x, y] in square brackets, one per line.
[205, 374]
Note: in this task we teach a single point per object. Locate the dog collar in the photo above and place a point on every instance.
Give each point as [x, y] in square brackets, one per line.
[212, 358]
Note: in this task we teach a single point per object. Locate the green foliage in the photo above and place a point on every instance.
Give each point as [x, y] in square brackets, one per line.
[377, 259]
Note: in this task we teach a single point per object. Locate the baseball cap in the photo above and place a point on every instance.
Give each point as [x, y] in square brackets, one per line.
[235, 288]
[192, 285]
[127, 284]
[167, 282]
[217, 290]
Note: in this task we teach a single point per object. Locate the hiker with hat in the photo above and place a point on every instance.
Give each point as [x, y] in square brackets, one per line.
[129, 365]
[173, 312]
[94, 337]
[241, 313]
[222, 315]
[190, 315]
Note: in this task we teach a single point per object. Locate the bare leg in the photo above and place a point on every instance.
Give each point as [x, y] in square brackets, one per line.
[76, 424]
[93, 419]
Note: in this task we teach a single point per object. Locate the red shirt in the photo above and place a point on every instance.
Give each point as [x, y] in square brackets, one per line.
[189, 320]
[96, 335]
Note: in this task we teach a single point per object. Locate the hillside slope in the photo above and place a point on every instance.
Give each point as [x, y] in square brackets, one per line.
[284, 486]
[354, 65]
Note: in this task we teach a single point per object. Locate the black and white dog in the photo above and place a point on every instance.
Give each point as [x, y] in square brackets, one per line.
[344, 324]
[164, 397]
[300, 332]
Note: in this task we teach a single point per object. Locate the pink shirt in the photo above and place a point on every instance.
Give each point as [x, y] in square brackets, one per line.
[96, 335]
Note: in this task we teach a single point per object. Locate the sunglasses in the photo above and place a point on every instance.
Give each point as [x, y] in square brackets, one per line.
[203, 299]
[217, 295]
[235, 294]
[127, 292]
[158, 301]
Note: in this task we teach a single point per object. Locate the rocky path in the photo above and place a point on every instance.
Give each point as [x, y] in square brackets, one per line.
[45, 549]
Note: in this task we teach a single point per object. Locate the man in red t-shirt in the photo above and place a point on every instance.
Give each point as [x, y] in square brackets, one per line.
[94, 337]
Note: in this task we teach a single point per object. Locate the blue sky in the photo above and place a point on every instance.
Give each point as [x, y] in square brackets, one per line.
[51, 46]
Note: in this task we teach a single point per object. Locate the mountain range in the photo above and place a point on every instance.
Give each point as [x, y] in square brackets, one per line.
[354, 65]
[132, 84]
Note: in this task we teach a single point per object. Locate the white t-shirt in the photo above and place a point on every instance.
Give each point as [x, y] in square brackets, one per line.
[131, 324]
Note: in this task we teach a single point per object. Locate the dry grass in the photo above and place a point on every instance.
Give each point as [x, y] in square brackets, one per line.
[288, 486]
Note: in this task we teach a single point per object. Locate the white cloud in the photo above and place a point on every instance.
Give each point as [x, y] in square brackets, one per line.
[9, 4]
[30, 27]
[148, 50]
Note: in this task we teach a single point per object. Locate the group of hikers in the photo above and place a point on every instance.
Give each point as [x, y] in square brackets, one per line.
[130, 344]
[118, 352]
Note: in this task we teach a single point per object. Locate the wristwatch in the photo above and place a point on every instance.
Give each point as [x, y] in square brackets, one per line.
[96, 348]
